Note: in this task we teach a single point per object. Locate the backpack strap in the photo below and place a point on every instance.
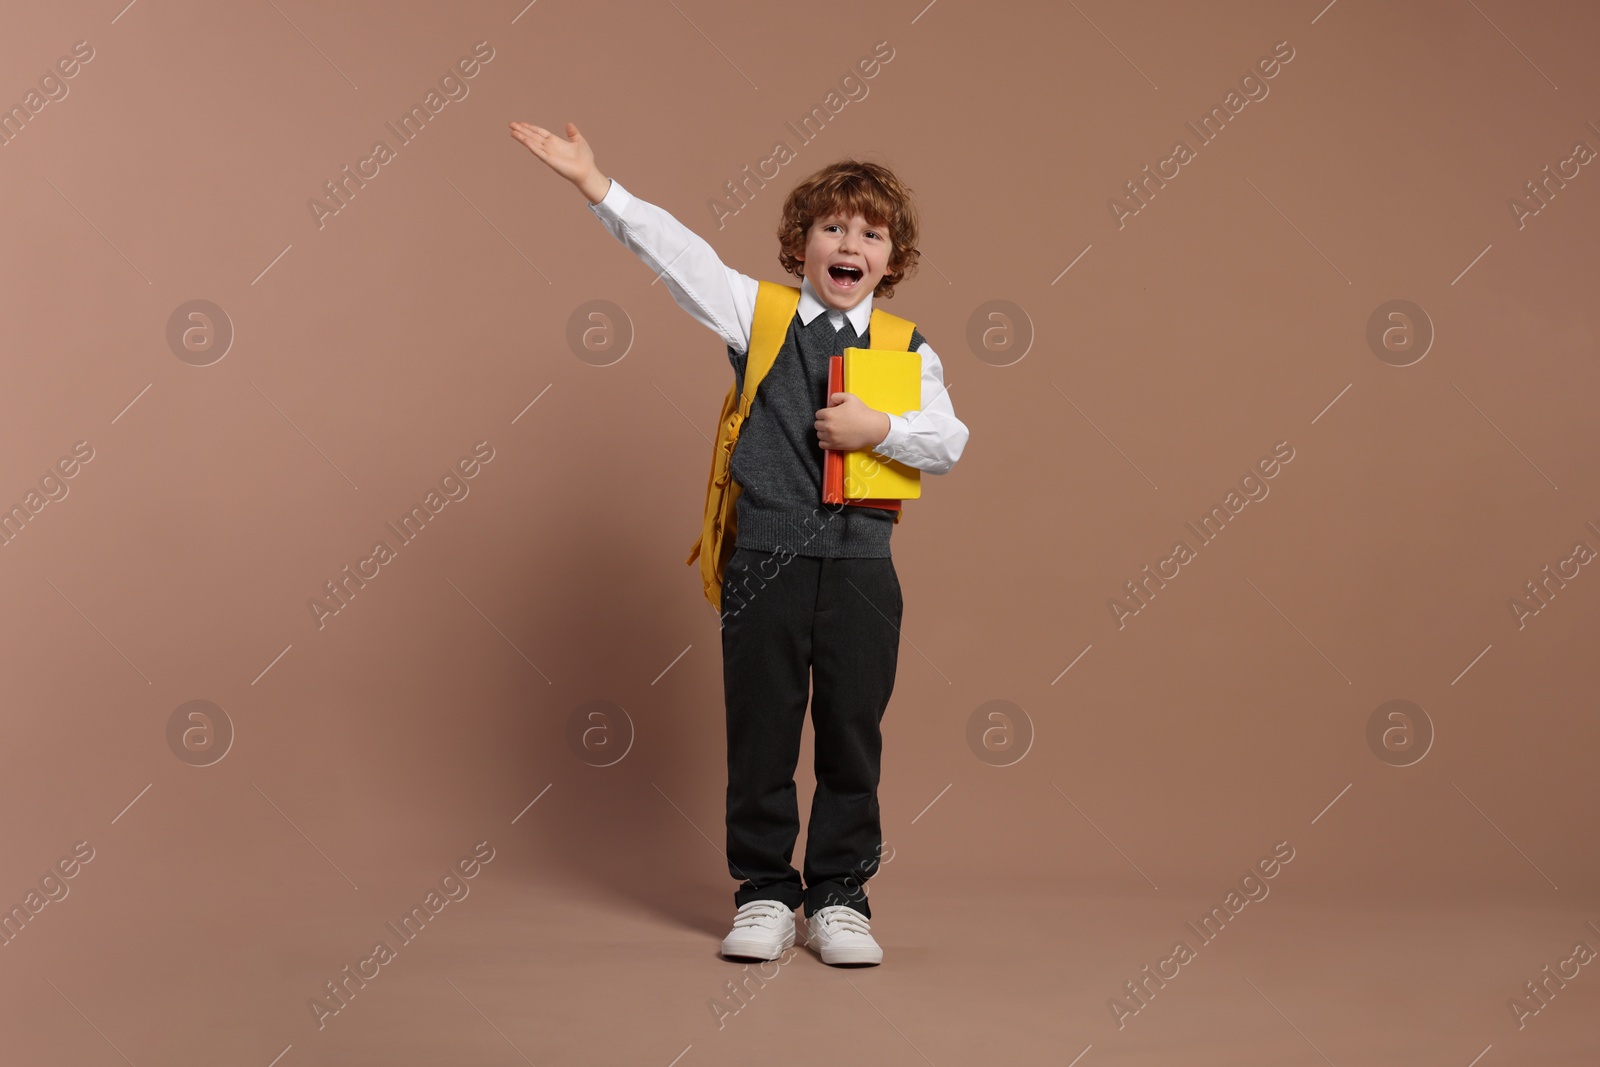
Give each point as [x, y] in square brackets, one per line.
[889, 331]
[775, 308]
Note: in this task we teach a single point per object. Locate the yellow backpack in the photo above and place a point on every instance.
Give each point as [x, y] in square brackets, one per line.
[775, 308]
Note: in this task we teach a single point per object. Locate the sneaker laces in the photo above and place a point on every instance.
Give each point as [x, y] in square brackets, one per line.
[759, 913]
[844, 920]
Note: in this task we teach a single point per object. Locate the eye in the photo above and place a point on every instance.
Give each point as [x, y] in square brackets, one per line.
[869, 233]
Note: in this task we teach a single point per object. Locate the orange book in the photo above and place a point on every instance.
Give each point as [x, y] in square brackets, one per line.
[833, 459]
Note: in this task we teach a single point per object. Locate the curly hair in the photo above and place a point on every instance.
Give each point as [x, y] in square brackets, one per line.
[852, 187]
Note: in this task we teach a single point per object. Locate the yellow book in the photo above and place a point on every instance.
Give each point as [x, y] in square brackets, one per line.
[888, 381]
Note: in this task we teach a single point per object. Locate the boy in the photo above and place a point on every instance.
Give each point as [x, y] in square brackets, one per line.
[825, 606]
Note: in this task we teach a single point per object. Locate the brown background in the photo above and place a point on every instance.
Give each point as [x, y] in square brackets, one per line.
[372, 353]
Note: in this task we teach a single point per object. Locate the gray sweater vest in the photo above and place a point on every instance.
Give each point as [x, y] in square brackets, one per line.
[777, 460]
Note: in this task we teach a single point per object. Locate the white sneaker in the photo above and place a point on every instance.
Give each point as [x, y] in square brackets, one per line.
[841, 934]
[762, 930]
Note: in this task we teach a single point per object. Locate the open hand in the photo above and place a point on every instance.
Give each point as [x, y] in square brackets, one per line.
[848, 424]
[571, 157]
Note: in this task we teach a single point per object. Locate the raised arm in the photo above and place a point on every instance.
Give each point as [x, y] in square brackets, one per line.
[715, 295]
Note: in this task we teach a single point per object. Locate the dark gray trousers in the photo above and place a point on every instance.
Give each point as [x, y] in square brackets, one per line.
[793, 627]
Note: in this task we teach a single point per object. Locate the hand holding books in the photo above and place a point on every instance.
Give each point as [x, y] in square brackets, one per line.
[847, 423]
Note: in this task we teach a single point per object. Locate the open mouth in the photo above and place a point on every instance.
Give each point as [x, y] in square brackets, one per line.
[844, 276]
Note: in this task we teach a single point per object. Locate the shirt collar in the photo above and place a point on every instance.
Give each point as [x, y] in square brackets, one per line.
[811, 306]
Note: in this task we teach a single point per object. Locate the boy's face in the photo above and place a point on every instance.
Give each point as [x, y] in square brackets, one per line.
[835, 243]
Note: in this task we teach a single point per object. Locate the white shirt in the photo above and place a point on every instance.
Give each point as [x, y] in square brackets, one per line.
[723, 300]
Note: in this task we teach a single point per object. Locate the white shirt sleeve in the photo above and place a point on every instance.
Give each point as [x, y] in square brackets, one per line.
[715, 295]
